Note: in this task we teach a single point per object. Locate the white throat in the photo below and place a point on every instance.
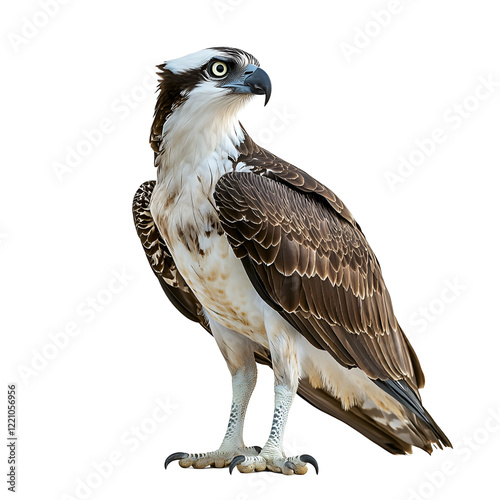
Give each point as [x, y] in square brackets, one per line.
[202, 133]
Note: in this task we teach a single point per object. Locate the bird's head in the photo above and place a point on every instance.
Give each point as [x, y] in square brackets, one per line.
[205, 89]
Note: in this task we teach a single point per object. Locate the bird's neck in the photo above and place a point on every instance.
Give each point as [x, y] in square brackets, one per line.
[194, 141]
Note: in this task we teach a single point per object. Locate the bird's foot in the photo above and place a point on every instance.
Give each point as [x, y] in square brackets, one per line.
[274, 463]
[219, 458]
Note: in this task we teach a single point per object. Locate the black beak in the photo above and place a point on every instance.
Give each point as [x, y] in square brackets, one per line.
[254, 80]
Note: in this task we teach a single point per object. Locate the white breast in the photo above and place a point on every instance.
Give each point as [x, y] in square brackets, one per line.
[188, 221]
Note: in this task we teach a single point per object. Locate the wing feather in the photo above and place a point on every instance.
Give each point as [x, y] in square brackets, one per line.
[161, 260]
[324, 279]
[321, 274]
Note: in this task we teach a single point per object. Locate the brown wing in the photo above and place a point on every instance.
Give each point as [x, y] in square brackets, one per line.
[266, 163]
[305, 254]
[161, 261]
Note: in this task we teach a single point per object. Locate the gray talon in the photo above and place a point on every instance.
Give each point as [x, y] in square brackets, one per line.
[175, 456]
[258, 449]
[238, 459]
[310, 460]
[290, 465]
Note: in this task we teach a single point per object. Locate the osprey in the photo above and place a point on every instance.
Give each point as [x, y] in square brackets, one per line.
[272, 264]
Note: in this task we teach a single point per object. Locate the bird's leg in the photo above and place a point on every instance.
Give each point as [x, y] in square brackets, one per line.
[239, 355]
[243, 382]
[286, 380]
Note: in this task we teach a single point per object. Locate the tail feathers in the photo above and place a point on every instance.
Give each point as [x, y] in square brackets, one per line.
[388, 431]
[383, 428]
[354, 417]
[422, 421]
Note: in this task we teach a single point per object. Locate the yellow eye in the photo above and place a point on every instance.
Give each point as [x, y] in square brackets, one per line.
[219, 69]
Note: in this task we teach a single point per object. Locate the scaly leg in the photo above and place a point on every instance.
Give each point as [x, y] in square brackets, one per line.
[286, 379]
[239, 355]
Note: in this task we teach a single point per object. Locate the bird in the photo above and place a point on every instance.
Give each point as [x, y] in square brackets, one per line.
[274, 266]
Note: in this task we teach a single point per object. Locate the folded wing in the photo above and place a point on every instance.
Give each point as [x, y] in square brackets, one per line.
[315, 267]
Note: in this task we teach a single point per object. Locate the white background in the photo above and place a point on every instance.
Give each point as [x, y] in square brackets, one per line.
[348, 119]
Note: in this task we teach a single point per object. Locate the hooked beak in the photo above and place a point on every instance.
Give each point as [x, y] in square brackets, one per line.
[254, 80]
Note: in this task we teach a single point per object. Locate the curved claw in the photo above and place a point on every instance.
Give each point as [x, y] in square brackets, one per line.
[310, 460]
[238, 459]
[258, 449]
[175, 456]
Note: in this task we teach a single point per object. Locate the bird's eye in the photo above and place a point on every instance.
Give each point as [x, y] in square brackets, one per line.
[218, 69]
